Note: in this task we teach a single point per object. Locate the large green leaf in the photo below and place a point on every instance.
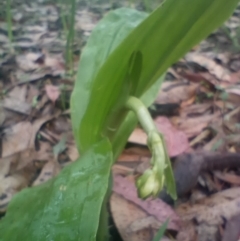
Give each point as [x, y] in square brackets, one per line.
[66, 208]
[159, 41]
[107, 35]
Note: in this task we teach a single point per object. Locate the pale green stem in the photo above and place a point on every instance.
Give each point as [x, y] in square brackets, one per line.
[142, 113]
[152, 181]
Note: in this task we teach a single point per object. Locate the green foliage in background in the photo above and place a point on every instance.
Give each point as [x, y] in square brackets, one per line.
[126, 55]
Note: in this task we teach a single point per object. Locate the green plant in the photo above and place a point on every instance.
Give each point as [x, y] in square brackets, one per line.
[68, 22]
[9, 23]
[161, 231]
[121, 67]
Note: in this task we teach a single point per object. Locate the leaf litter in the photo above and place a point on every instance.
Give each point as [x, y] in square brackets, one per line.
[35, 86]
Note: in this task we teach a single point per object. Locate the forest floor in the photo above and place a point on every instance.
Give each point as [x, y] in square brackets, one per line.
[197, 110]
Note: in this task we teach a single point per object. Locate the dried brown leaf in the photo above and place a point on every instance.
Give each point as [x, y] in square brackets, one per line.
[176, 92]
[50, 169]
[156, 207]
[21, 136]
[228, 177]
[215, 69]
[208, 213]
[124, 214]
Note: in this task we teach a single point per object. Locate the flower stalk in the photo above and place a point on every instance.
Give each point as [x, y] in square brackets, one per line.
[160, 173]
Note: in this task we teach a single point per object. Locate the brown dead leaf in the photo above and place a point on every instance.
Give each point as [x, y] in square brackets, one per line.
[177, 141]
[134, 154]
[207, 78]
[23, 77]
[215, 69]
[211, 209]
[19, 92]
[233, 90]
[216, 143]
[61, 124]
[198, 139]
[21, 136]
[16, 100]
[5, 164]
[125, 157]
[228, 177]
[156, 208]
[17, 138]
[187, 232]
[121, 170]
[138, 136]
[32, 93]
[53, 92]
[16, 105]
[208, 212]
[72, 152]
[196, 109]
[232, 230]
[176, 92]
[54, 63]
[25, 157]
[125, 213]
[50, 169]
[188, 102]
[14, 182]
[8, 187]
[28, 61]
[192, 126]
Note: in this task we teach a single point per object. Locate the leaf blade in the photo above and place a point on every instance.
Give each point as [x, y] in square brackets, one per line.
[161, 38]
[65, 207]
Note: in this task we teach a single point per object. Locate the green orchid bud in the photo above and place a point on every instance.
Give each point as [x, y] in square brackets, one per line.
[150, 183]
